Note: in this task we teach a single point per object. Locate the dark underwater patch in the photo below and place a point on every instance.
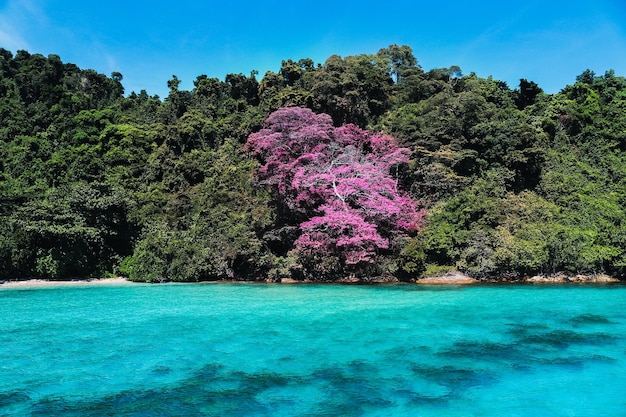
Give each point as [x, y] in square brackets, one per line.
[562, 339]
[585, 319]
[161, 370]
[11, 398]
[352, 389]
[575, 362]
[455, 379]
[518, 330]
[201, 394]
[490, 351]
[568, 362]
[418, 399]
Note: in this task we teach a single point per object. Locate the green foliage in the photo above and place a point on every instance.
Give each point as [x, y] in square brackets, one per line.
[93, 183]
[78, 230]
[356, 89]
[207, 229]
[412, 257]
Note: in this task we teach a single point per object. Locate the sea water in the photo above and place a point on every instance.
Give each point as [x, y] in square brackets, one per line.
[313, 350]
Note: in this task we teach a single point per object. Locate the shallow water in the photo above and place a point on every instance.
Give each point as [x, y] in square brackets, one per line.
[307, 350]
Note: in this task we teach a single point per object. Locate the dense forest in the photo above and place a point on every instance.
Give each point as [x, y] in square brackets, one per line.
[360, 166]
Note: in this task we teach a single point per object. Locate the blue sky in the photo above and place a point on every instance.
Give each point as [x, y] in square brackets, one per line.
[549, 42]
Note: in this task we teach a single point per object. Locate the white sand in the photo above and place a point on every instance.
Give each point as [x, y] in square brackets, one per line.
[32, 283]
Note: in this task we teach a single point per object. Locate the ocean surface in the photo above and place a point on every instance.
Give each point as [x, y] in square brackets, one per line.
[313, 350]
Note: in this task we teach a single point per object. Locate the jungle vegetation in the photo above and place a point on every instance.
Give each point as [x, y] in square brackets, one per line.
[359, 166]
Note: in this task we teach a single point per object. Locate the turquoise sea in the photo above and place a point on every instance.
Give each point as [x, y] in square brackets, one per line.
[313, 350]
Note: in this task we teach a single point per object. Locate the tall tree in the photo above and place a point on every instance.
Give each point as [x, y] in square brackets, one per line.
[341, 182]
[527, 93]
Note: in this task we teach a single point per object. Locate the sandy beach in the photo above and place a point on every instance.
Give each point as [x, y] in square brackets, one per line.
[34, 283]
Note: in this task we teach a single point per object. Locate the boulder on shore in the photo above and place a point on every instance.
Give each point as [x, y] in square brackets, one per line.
[453, 278]
[383, 279]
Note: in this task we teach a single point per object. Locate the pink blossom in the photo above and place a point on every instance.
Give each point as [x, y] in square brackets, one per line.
[341, 178]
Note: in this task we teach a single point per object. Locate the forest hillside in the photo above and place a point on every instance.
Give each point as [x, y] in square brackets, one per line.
[361, 166]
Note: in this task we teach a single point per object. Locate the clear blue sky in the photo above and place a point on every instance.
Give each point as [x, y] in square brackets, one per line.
[547, 41]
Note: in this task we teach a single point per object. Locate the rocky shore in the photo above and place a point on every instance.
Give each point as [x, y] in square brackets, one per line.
[457, 278]
[453, 278]
[564, 278]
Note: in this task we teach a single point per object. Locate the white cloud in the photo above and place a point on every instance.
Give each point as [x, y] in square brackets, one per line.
[10, 39]
[16, 21]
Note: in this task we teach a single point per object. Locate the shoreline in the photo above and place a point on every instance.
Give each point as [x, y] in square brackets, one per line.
[453, 279]
[44, 283]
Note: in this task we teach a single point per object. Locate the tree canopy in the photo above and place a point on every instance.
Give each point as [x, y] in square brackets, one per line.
[362, 165]
[340, 181]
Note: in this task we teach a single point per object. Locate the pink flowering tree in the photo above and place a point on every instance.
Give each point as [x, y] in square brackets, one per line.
[341, 181]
